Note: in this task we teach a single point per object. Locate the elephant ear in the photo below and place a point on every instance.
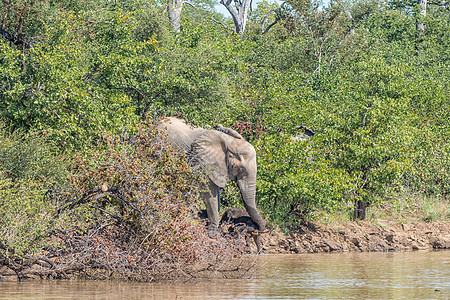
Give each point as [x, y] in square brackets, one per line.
[208, 153]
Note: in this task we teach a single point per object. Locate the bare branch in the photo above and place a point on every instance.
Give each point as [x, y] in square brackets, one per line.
[337, 48]
[442, 3]
[266, 17]
[18, 39]
[211, 18]
[346, 10]
[5, 17]
[270, 26]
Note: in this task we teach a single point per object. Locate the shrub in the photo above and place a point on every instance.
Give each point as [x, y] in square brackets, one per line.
[30, 157]
[25, 220]
[295, 180]
[432, 169]
[29, 169]
[129, 213]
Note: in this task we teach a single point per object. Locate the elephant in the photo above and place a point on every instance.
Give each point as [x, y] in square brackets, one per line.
[223, 154]
[241, 223]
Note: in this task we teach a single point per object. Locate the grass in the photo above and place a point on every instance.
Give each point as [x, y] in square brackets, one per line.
[404, 209]
[412, 208]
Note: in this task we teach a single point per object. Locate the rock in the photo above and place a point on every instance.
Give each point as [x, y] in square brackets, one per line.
[390, 237]
[272, 241]
[284, 244]
[360, 236]
[439, 243]
[417, 247]
[356, 241]
[446, 243]
[297, 249]
[332, 245]
[377, 244]
[403, 240]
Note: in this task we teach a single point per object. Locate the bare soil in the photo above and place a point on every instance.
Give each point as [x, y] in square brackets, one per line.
[359, 236]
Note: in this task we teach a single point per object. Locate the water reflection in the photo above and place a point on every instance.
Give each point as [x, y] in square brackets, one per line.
[360, 276]
[412, 275]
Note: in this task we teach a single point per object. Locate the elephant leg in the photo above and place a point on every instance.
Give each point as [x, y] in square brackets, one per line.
[210, 197]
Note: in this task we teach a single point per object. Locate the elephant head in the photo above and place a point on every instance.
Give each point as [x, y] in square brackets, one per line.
[223, 154]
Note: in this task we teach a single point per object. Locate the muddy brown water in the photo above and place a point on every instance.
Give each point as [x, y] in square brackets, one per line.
[408, 275]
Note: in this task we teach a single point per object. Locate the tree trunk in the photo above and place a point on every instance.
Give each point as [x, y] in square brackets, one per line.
[174, 11]
[5, 16]
[239, 12]
[360, 210]
[420, 26]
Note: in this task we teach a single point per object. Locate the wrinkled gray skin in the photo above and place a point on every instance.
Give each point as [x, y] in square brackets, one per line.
[223, 154]
[242, 224]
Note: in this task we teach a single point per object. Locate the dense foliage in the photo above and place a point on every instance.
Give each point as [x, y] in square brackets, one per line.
[128, 209]
[78, 76]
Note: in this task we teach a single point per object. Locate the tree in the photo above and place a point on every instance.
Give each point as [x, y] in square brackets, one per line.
[14, 15]
[239, 12]
[420, 26]
[174, 8]
[423, 12]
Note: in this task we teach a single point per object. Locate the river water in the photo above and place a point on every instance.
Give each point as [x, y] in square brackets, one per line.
[408, 275]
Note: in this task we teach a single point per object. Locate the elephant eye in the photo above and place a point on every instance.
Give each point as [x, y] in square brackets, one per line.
[242, 171]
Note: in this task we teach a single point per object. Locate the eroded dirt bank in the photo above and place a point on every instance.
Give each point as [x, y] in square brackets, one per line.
[359, 236]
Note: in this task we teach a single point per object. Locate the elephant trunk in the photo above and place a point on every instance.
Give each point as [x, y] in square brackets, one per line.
[248, 192]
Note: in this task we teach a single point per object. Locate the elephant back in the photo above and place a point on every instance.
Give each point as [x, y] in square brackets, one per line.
[179, 133]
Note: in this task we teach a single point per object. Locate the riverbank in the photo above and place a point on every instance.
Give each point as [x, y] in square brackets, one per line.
[361, 236]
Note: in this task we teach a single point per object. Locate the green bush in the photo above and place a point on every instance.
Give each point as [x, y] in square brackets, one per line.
[432, 169]
[30, 157]
[25, 219]
[373, 89]
[294, 180]
[29, 171]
